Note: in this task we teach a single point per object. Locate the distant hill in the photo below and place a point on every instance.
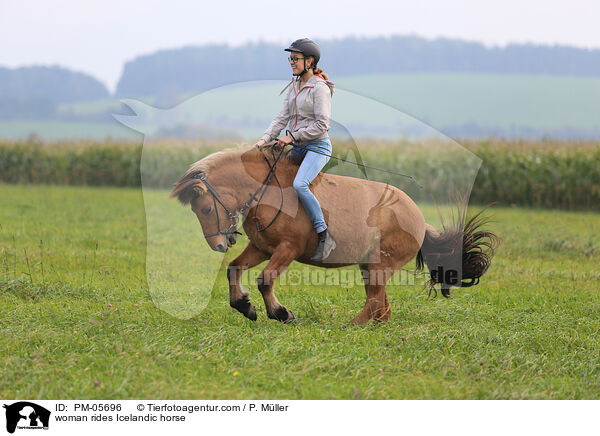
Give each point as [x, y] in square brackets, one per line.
[456, 104]
[35, 92]
[460, 88]
[169, 73]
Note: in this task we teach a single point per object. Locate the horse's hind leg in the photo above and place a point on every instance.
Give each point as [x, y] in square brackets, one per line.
[239, 298]
[393, 252]
[377, 273]
[283, 255]
[377, 306]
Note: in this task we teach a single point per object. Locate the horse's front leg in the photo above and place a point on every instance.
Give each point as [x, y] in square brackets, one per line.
[239, 298]
[283, 255]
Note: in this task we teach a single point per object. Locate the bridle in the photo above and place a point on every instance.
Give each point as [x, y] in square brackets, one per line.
[232, 229]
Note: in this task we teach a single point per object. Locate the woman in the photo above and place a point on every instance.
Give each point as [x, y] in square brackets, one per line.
[307, 110]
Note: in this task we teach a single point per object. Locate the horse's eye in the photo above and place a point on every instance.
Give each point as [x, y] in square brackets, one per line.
[206, 210]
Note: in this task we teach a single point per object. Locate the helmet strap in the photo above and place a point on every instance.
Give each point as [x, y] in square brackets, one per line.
[305, 69]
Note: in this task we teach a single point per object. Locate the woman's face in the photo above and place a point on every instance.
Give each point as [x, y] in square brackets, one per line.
[298, 66]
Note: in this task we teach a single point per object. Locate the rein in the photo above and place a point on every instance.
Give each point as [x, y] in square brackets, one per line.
[363, 165]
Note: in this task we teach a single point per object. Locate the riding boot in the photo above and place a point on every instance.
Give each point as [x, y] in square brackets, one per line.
[324, 247]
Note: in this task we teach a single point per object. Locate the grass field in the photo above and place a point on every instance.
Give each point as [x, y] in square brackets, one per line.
[77, 320]
[61, 130]
[459, 105]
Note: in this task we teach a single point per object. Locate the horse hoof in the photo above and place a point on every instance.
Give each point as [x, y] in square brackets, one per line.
[251, 314]
[291, 319]
[244, 306]
[358, 321]
[284, 315]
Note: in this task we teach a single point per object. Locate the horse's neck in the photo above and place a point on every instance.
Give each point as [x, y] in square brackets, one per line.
[243, 177]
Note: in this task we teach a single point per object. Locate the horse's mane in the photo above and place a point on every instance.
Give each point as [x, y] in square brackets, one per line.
[188, 187]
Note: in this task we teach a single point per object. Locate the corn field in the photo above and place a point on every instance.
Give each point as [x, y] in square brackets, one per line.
[543, 174]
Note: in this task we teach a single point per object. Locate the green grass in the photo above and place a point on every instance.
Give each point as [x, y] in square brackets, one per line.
[75, 309]
[61, 130]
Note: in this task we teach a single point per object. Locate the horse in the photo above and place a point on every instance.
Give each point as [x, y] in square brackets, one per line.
[374, 224]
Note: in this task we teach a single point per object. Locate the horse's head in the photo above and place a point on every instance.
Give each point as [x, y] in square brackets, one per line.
[215, 208]
[218, 185]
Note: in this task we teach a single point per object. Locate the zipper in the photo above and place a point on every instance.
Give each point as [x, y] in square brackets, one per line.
[295, 102]
[296, 105]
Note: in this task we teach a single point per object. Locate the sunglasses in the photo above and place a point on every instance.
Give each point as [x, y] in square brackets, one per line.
[294, 59]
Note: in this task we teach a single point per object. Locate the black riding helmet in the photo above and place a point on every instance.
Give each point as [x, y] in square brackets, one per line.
[307, 48]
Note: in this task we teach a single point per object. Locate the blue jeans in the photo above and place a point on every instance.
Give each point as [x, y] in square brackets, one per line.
[312, 164]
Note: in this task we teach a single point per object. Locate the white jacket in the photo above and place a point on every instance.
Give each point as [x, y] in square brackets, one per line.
[307, 111]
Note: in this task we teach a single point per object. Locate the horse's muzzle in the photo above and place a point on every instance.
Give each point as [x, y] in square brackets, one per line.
[232, 239]
[220, 248]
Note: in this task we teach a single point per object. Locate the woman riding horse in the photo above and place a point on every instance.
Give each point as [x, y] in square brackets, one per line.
[377, 226]
[307, 110]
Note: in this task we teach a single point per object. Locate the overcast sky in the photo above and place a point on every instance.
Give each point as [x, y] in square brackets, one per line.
[99, 36]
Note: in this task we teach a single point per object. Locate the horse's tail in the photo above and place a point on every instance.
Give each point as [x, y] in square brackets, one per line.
[459, 254]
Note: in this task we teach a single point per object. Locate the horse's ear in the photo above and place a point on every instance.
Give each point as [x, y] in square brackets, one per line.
[200, 188]
[186, 191]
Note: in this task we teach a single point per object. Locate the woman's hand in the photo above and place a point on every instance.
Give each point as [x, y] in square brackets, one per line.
[260, 143]
[286, 140]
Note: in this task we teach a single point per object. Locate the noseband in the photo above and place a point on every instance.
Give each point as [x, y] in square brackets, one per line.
[232, 229]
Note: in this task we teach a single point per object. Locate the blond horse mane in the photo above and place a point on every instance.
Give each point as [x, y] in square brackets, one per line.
[188, 186]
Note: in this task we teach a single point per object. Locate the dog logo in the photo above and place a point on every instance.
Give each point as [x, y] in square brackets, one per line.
[26, 415]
